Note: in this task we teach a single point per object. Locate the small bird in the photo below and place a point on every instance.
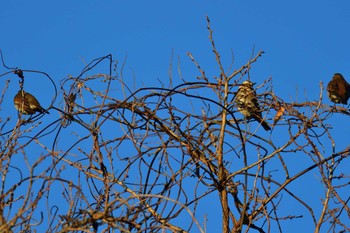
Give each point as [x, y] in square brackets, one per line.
[27, 103]
[338, 89]
[248, 103]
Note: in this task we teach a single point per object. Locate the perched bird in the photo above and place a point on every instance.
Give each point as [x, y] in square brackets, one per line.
[248, 103]
[338, 89]
[27, 103]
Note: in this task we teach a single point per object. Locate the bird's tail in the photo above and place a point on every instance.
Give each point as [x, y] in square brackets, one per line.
[262, 122]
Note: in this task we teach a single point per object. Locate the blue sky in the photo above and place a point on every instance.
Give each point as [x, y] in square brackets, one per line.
[305, 42]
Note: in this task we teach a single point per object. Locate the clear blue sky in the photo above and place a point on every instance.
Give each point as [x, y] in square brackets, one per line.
[305, 42]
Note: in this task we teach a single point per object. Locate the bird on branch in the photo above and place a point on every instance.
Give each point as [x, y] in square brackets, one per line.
[338, 89]
[26, 103]
[248, 105]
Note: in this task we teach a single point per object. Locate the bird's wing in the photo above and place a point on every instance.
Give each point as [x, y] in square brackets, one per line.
[342, 89]
[347, 91]
[332, 86]
[254, 100]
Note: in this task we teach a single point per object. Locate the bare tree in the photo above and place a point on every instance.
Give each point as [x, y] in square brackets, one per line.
[114, 158]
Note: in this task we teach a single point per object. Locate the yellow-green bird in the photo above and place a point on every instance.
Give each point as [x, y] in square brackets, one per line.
[248, 105]
[26, 103]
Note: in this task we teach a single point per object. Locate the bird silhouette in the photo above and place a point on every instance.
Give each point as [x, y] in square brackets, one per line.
[248, 105]
[26, 103]
[338, 89]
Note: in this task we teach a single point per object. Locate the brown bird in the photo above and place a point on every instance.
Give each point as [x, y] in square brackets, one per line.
[27, 103]
[248, 103]
[338, 89]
